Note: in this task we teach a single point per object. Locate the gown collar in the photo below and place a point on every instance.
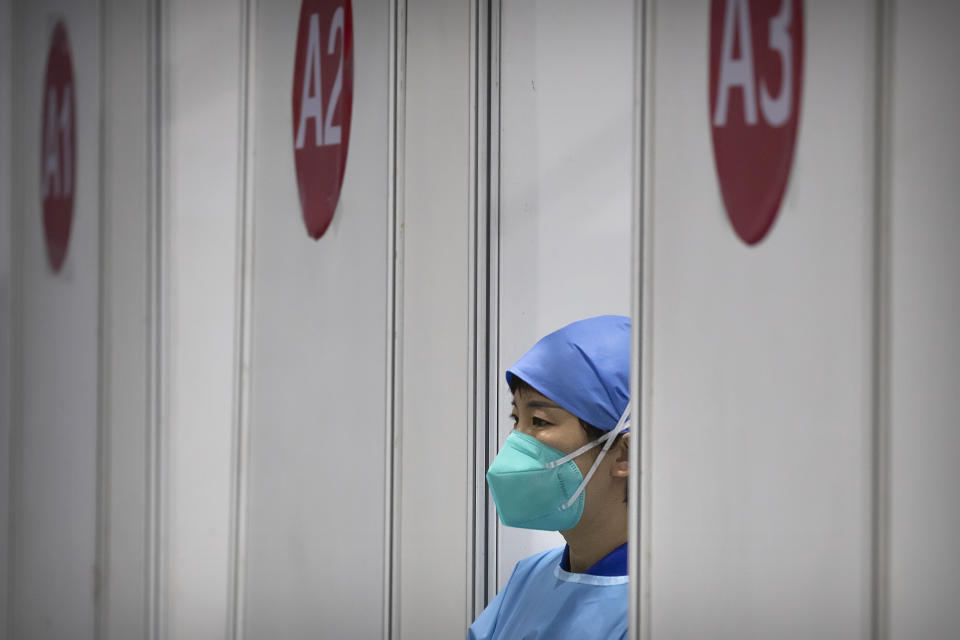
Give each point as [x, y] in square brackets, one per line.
[612, 564]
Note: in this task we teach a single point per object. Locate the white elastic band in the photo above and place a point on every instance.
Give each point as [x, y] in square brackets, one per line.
[570, 456]
[607, 439]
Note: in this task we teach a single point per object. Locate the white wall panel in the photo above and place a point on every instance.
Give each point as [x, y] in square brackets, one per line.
[760, 405]
[434, 427]
[127, 320]
[201, 150]
[55, 479]
[565, 157]
[315, 513]
[925, 315]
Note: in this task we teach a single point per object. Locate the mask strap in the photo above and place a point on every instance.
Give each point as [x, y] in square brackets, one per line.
[607, 439]
[570, 456]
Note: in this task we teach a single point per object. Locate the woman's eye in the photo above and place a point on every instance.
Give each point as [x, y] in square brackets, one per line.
[514, 417]
[539, 422]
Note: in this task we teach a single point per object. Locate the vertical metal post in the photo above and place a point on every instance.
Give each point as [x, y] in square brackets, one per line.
[394, 311]
[240, 436]
[484, 157]
[102, 551]
[493, 290]
[879, 589]
[156, 309]
[17, 253]
[640, 311]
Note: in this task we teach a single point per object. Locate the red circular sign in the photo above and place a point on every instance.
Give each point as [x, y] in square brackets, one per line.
[322, 103]
[756, 78]
[58, 150]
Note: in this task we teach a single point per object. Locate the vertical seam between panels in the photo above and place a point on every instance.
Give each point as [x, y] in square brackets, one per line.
[243, 291]
[156, 389]
[394, 300]
[386, 552]
[104, 343]
[491, 531]
[642, 457]
[16, 369]
[636, 306]
[473, 304]
[485, 14]
[481, 337]
[880, 371]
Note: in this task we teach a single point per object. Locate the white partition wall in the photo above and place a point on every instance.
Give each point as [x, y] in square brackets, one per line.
[759, 404]
[200, 151]
[219, 463]
[924, 299]
[73, 351]
[432, 480]
[564, 219]
[314, 514]
[129, 318]
[54, 444]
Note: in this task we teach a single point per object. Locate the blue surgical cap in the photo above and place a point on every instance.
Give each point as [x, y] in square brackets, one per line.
[583, 367]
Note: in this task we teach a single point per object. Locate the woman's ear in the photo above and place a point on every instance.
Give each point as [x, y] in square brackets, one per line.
[621, 460]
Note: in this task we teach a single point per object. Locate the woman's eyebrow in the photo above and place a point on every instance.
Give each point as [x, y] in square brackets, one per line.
[541, 404]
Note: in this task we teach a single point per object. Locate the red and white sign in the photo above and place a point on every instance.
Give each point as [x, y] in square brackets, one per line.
[58, 150]
[322, 104]
[756, 80]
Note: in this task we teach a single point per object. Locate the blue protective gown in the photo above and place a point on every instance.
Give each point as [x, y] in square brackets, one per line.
[544, 601]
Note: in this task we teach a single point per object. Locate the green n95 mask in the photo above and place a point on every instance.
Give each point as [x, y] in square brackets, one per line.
[538, 487]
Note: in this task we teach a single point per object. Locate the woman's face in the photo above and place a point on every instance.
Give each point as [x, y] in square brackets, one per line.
[536, 415]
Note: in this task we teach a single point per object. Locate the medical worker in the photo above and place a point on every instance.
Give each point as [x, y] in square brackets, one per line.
[565, 468]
